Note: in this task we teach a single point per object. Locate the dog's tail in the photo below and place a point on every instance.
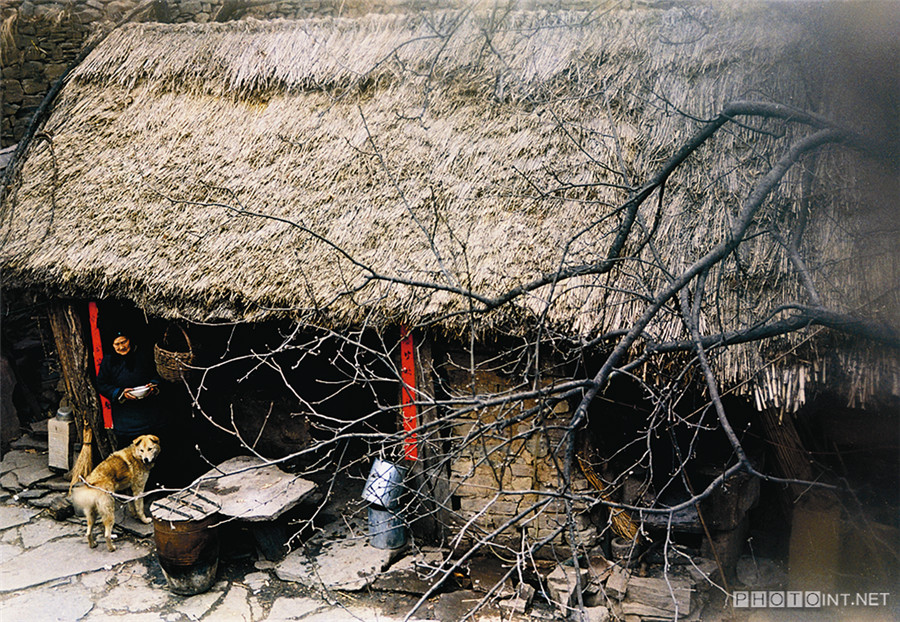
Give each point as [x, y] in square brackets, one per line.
[86, 499]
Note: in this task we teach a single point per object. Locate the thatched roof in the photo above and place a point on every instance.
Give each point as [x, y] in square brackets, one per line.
[249, 170]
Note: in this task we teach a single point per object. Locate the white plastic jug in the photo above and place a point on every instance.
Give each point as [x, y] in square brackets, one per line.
[385, 484]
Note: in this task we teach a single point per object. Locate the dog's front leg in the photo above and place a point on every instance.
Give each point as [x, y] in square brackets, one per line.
[137, 492]
[139, 511]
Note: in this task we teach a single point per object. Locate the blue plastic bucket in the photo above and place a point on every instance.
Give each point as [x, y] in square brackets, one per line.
[386, 528]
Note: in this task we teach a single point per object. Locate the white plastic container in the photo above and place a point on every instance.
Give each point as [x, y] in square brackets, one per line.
[61, 439]
[385, 484]
[386, 528]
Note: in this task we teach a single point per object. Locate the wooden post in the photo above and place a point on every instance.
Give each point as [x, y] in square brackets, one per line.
[431, 471]
[74, 361]
[791, 457]
[408, 394]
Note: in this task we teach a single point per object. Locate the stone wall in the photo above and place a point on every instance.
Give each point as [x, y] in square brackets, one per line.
[38, 41]
[496, 474]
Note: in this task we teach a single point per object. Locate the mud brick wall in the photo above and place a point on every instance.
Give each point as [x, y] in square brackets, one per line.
[497, 473]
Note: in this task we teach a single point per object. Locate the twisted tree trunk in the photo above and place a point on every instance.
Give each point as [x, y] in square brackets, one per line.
[75, 363]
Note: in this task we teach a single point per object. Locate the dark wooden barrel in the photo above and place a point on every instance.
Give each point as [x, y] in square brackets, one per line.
[187, 544]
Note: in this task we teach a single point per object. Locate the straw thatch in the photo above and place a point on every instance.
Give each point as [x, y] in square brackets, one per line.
[250, 170]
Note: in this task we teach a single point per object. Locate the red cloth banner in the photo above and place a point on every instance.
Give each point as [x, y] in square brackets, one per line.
[98, 356]
[407, 394]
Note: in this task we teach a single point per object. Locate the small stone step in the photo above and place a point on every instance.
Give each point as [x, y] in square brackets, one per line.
[29, 442]
[39, 429]
[60, 509]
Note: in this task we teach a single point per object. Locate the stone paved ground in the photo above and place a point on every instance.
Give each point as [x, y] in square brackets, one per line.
[48, 573]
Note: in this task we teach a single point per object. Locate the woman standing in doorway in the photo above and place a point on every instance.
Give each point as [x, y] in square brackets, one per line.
[129, 381]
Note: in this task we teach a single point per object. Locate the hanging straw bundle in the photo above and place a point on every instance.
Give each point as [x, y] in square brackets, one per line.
[620, 520]
[84, 464]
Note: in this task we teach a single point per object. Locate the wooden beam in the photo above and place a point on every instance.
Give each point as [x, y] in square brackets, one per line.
[74, 361]
[815, 546]
[815, 514]
[431, 472]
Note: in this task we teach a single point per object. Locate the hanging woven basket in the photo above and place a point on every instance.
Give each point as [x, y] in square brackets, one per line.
[173, 365]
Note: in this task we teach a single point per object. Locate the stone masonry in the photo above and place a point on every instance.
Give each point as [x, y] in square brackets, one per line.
[498, 473]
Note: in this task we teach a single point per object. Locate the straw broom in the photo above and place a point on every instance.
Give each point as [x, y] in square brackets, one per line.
[84, 464]
[620, 520]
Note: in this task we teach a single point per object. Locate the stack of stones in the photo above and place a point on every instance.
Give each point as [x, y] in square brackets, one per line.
[496, 474]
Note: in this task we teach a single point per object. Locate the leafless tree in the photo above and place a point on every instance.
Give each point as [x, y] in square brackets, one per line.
[521, 411]
[557, 382]
[688, 292]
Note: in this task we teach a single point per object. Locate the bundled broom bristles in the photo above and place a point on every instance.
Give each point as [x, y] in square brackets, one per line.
[84, 464]
[620, 520]
[9, 50]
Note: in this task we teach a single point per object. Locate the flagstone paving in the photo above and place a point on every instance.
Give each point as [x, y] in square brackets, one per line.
[48, 573]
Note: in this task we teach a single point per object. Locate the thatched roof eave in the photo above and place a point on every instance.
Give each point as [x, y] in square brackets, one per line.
[315, 169]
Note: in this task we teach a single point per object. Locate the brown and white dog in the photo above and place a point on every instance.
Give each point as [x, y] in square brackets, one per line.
[128, 467]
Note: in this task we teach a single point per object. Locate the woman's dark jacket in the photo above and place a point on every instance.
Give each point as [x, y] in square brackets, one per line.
[118, 373]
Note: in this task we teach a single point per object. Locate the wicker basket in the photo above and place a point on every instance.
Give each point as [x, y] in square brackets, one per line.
[173, 365]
